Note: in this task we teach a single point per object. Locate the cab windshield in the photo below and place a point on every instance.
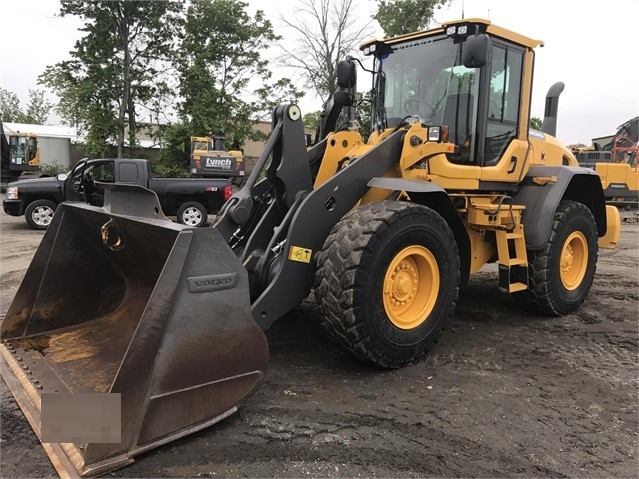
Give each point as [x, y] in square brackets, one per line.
[426, 79]
[200, 145]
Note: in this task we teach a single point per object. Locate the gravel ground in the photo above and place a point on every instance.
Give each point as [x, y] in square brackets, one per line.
[506, 393]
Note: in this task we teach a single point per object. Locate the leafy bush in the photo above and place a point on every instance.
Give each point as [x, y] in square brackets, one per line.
[52, 169]
[165, 170]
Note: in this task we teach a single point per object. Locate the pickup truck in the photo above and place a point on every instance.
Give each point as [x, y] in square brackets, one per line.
[191, 200]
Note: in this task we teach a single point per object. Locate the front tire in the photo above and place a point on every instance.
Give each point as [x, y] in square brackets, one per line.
[39, 214]
[561, 273]
[387, 281]
[192, 213]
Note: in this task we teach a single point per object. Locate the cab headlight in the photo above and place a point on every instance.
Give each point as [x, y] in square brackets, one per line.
[438, 134]
[434, 133]
[12, 193]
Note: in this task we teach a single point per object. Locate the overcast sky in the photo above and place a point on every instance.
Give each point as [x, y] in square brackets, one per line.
[593, 47]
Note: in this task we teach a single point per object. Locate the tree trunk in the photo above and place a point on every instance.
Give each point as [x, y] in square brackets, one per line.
[126, 80]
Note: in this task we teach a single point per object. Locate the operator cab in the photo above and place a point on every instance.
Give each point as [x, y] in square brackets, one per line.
[463, 76]
[23, 152]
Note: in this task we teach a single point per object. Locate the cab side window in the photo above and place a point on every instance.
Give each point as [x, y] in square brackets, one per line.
[503, 104]
[103, 172]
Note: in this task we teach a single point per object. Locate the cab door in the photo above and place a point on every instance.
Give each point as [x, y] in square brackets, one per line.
[504, 146]
[94, 175]
[73, 187]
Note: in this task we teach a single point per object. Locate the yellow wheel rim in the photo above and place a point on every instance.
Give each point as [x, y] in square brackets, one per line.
[411, 285]
[574, 260]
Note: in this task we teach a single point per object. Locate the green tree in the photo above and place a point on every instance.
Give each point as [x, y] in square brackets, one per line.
[37, 112]
[10, 106]
[312, 120]
[535, 123]
[364, 112]
[174, 155]
[38, 108]
[398, 17]
[116, 69]
[225, 82]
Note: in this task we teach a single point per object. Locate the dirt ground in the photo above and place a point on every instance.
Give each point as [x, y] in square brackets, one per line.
[506, 393]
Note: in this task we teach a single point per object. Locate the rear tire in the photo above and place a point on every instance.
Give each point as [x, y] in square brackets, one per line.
[387, 281]
[192, 213]
[39, 214]
[561, 273]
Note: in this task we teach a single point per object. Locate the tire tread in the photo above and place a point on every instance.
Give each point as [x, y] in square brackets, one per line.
[338, 263]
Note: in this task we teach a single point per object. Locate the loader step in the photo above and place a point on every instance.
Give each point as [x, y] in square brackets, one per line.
[515, 262]
[513, 278]
[511, 247]
[515, 287]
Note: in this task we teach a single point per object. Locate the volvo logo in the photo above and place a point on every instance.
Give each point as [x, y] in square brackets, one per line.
[214, 282]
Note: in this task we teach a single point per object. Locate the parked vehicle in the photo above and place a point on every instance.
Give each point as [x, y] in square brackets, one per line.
[210, 159]
[191, 200]
[616, 164]
[19, 153]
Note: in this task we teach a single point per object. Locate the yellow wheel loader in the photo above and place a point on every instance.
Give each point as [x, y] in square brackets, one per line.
[164, 323]
[616, 164]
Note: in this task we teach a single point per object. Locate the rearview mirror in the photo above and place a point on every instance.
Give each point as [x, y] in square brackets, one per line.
[346, 74]
[476, 51]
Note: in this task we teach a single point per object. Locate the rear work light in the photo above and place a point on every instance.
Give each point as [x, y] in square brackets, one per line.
[443, 134]
[228, 191]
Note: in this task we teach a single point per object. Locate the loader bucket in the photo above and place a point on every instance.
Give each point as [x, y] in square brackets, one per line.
[121, 304]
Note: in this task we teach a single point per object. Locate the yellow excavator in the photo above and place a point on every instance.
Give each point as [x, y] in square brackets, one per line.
[616, 164]
[154, 330]
[210, 159]
[19, 153]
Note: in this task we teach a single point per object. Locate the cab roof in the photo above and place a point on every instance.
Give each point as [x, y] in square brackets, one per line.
[483, 24]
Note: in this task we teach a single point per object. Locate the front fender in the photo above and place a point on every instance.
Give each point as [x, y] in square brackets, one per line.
[435, 197]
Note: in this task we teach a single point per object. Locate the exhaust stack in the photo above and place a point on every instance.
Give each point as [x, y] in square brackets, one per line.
[549, 125]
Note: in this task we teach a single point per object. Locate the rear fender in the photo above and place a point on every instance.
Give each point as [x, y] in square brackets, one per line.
[542, 190]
